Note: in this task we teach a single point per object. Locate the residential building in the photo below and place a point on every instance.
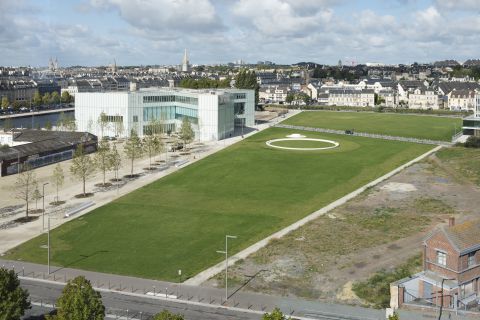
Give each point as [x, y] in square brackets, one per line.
[423, 98]
[214, 114]
[351, 98]
[461, 100]
[451, 269]
[17, 90]
[274, 94]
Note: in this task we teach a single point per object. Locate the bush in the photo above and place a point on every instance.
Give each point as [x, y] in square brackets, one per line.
[376, 289]
[472, 142]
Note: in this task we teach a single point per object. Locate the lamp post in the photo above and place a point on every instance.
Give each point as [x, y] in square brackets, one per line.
[441, 298]
[226, 263]
[43, 205]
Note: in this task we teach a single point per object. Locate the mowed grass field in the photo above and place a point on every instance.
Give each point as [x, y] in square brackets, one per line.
[248, 190]
[410, 126]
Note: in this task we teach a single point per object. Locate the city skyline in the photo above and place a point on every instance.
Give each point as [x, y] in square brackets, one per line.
[148, 32]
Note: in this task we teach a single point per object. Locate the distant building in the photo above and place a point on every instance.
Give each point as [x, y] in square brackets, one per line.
[185, 66]
[351, 98]
[423, 98]
[274, 94]
[214, 114]
[461, 100]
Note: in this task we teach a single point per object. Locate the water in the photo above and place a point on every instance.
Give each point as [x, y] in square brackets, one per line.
[38, 121]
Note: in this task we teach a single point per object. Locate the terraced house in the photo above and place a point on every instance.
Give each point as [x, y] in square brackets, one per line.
[451, 269]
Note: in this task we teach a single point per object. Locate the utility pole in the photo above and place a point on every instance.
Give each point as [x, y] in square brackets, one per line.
[226, 263]
[43, 206]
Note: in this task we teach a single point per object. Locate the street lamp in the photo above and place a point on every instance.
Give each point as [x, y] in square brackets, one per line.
[441, 298]
[43, 205]
[226, 263]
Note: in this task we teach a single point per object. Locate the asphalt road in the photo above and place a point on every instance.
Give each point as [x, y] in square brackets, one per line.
[118, 304]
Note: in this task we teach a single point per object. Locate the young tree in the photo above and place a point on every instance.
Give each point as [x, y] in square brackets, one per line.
[167, 315]
[58, 178]
[66, 97]
[36, 196]
[152, 146]
[47, 99]
[116, 161]
[25, 184]
[82, 166]
[394, 316]
[118, 126]
[102, 123]
[62, 119]
[5, 102]
[48, 125]
[79, 301]
[186, 132]
[103, 158]
[13, 299]
[69, 123]
[276, 314]
[37, 98]
[133, 148]
[55, 97]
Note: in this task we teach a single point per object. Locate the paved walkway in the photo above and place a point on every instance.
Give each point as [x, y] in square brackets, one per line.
[368, 135]
[212, 297]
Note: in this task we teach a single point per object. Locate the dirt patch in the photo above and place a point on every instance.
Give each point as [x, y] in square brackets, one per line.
[380, 229]
[84, 195]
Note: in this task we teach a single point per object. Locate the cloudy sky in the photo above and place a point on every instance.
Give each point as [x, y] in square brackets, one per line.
[135, 32]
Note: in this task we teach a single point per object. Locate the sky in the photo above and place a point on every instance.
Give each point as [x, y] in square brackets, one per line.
[148, 32]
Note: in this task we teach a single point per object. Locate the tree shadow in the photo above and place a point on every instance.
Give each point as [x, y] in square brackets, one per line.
[83, 257]
[250, 278]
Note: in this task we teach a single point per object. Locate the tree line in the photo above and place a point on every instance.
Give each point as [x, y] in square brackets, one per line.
[38, 100]
[107, 158]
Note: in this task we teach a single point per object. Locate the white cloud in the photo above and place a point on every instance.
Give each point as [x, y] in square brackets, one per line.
[165, 15]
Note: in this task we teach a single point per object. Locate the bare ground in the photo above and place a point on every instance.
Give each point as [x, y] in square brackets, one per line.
[380, 229]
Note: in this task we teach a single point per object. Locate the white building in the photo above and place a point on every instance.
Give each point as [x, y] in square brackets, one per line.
[351, 98]
[423, 99]
[214, 114]
[273, 93]
[461, 100]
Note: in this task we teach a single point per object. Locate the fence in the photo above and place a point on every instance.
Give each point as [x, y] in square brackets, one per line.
[367, 135]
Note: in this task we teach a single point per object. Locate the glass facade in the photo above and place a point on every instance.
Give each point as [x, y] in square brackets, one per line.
[169, 113]
[170, 98]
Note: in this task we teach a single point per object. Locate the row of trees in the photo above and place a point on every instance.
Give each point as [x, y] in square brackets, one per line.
[246, 79]
[204, 83]
[38, 100]
[78, 301]
[106, 159]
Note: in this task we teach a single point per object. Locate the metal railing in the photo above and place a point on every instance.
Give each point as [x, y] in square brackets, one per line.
[367, 135]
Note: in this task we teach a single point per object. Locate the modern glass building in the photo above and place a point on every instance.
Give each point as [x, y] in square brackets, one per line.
[214, 114]
[471, 125]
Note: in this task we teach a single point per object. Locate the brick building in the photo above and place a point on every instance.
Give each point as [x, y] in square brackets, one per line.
[451, 263]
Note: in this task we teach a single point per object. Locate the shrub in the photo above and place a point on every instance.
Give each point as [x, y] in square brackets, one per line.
[472, 142]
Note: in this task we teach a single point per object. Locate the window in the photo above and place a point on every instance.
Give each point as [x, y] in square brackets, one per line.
[240, 96]
[135, 118]
[471, 259]
[441, 258]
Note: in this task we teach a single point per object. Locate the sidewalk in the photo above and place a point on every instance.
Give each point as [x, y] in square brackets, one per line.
[209, 297]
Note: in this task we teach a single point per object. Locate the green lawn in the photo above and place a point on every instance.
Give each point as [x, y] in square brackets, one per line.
[248, 190]
[411, 126]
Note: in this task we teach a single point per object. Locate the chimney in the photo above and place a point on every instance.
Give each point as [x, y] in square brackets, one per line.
[451, 221]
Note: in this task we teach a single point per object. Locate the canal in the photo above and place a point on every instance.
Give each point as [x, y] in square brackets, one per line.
[35, 121]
